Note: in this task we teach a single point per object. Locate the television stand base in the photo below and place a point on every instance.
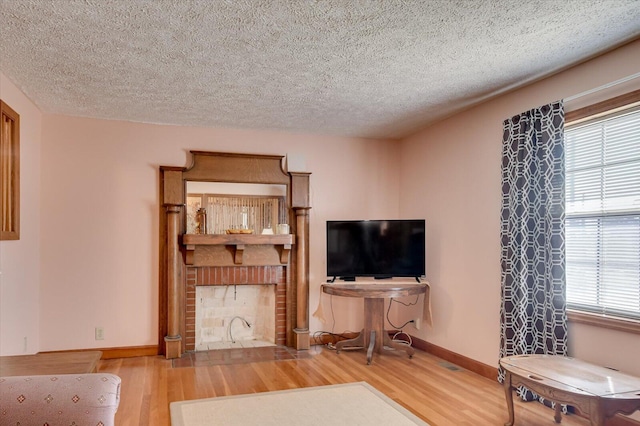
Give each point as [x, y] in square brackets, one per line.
[373, 336]
[359, 342]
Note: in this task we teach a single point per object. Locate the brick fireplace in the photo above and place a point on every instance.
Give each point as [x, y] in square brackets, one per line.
[230, 276]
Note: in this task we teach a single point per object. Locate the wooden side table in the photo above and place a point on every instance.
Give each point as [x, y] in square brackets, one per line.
[596, 391]
[373, 336]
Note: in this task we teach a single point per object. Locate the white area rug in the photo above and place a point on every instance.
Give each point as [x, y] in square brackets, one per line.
[348, 404]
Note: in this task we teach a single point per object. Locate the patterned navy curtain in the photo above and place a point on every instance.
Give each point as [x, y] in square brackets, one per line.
[533, 312]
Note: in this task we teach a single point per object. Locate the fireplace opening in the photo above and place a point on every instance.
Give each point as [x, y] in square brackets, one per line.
[235, 316]
[235, 307]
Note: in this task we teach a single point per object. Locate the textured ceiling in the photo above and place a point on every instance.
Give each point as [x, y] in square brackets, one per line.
[378, 69]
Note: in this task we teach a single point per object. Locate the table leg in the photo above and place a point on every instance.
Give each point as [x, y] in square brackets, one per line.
[357, 342]
[387, 341]
[372, 344]
[558, 415]
[597, 419]
[508, 393]
[374, 321]
[596, 412]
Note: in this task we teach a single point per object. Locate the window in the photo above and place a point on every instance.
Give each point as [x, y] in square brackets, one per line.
[9, 173]
[603, 213]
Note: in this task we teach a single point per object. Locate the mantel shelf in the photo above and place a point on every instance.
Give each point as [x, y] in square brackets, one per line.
[238, 242]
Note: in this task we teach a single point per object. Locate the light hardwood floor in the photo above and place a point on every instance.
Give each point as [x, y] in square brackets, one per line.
[424, 385]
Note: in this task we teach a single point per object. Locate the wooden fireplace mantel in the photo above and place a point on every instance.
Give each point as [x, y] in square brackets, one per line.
[238, 243]
[179, 251]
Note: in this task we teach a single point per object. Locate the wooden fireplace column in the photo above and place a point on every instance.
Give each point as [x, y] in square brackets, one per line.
[171, 292]
[176, 248]
[300, 206]
[173, 339]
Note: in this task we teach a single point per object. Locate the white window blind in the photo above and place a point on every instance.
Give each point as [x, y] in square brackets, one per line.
[603, 215]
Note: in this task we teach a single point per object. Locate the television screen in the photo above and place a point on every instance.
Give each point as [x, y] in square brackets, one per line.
[376, 248]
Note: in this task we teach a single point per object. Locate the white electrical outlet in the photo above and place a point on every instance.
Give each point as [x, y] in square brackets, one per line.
[25, 345]
[99, 333]
[417, 323]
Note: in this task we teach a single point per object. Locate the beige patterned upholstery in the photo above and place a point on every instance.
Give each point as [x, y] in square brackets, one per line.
[64, 399]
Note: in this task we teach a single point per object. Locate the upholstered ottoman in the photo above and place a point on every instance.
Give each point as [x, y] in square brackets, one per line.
[64, 399]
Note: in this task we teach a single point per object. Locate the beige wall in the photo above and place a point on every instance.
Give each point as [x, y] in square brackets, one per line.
[450, 175]
[90, 190]
[100, 215]
[19, 260]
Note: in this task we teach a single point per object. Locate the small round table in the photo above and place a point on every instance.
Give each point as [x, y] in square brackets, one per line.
[598, 392]
[373, 336]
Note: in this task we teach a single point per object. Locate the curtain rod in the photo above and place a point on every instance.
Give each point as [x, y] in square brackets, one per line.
[606, 86]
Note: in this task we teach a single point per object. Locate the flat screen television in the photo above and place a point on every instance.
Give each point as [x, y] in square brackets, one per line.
[375, 248]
